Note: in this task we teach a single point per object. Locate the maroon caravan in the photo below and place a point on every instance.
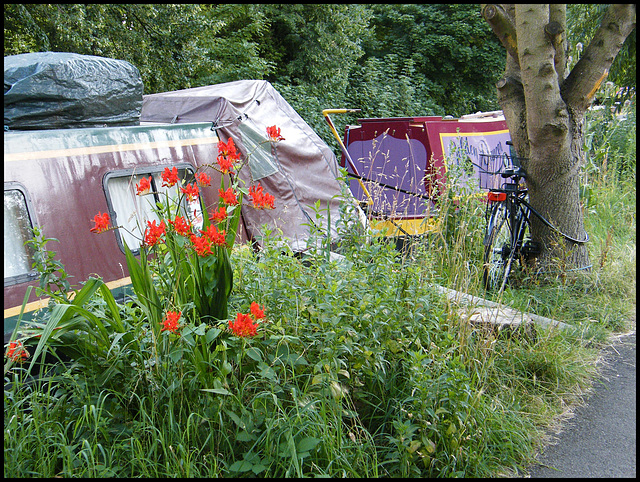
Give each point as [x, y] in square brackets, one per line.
[73, 148]
[301, 171]
[59, 179]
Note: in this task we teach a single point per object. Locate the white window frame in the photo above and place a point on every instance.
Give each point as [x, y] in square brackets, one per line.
[30, 274]
[139, 209]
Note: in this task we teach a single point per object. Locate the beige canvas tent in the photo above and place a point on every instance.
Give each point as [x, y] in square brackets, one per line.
[300, 172]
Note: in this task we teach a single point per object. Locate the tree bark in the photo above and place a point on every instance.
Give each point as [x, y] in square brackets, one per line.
[544, 109]
[553, 173]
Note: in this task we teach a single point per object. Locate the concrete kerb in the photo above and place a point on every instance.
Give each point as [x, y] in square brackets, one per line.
[479, 310]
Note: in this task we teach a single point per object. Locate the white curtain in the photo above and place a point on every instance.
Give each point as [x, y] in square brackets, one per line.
[133, 211]
[17, 230]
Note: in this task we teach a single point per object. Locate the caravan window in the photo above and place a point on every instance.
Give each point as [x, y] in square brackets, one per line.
[18, 224]
[132, 212]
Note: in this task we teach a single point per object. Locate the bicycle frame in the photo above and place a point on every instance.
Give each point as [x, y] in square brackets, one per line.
[507, 216]
[514, 199]
[507, 223]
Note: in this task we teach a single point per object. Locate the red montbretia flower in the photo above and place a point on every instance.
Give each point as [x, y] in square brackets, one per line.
[217, 238]
[170, 177]
[243, 326]
[261, 199]
[144, 186]
[228, 150]
[202, 245]
[225, 164]
[220, 215]
[191, 190]
[16, 352]
[228, 155]
[228, 196]
[273, 133]
[247, 324]
[181, 226]
[203, 179]
[170, 322]
[153, 233]
[256, 310]
[101, 221]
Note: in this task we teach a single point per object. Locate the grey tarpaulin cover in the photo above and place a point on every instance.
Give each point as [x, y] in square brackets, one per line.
[57, 90]
[303, 172]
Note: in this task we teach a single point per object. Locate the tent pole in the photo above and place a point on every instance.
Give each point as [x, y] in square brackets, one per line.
[326, 113]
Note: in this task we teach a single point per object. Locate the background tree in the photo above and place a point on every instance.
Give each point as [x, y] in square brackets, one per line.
[448, 52]
[314, 49]
[544, 105]
[612, 151]
[583, 21]
[175, 46]
[388, 60]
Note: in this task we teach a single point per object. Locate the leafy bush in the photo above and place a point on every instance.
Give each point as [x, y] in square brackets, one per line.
[610, 138]
[340, 380]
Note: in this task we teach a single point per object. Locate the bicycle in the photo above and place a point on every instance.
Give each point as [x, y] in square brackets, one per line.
[508, 214]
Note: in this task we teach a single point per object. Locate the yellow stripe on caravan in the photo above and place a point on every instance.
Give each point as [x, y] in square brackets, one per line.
[36, 305]
[464, 134]
[78, 151]
[119, 283]
[413, 227]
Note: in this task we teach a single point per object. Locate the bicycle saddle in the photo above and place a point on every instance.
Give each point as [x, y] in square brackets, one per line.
[513, 172]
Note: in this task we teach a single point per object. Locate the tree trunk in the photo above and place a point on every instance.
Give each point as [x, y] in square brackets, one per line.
[553, 169]
[544, 109]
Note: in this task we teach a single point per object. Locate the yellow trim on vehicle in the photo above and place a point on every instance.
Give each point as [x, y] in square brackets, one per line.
[413, 227]
[78, 151]
[464, 134]
[36, 305]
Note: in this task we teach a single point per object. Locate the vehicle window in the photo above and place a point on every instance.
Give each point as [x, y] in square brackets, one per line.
[132, 212]
[18, 257]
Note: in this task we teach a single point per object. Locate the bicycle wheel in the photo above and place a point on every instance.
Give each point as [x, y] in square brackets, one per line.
[498, 252]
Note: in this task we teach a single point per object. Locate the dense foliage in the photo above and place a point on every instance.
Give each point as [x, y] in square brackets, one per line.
[447, 51]
[175, 46]
[388, 60]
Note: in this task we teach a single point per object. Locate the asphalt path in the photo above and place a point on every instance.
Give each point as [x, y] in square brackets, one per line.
[600, 440]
